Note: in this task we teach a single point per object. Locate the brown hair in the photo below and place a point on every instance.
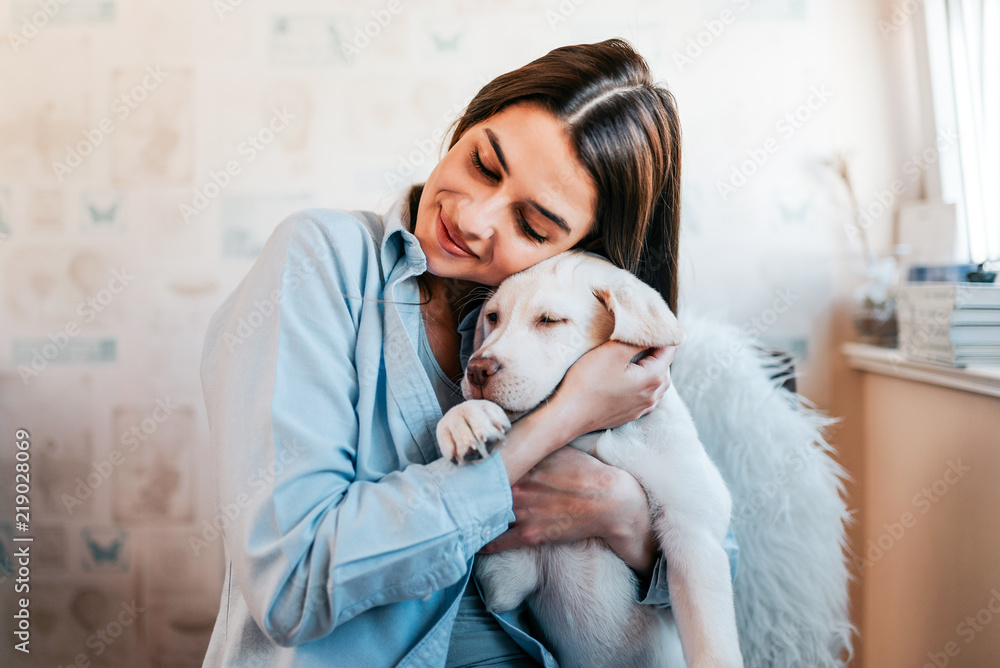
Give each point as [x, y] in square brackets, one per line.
[626, 133]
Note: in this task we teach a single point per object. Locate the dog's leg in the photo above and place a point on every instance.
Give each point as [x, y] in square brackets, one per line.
[587, 610]
[663, 453]
[702, 599]
[508, 577]
[673, 651]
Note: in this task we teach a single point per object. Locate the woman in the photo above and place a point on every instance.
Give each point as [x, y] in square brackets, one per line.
[349, 541]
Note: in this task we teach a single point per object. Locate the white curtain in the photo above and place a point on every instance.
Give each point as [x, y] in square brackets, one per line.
[963, 39]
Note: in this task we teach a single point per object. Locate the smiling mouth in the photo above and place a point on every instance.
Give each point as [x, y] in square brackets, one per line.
[449, 242]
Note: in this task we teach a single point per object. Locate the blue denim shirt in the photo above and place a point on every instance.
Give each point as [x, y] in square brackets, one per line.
[348, 540]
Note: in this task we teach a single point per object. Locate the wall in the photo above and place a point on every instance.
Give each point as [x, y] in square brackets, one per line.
[112, 260]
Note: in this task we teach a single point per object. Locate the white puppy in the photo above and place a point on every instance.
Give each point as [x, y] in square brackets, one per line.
[536, 325]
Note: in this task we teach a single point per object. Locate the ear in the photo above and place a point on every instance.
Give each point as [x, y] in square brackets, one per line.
[641, 316]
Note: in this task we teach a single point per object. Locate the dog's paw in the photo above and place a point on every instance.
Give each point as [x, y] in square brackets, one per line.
[471, 430]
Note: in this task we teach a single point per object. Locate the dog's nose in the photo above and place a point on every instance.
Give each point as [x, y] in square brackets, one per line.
[480, 369]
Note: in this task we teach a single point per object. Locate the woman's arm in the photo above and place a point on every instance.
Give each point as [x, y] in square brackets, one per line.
[287, 359]
[602, 390]
[569, 496]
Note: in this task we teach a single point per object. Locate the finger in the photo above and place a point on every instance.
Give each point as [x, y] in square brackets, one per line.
[627, 352]
[668, 353]
[659, 355]
[624, 348]
[506, 541]
[659, 370]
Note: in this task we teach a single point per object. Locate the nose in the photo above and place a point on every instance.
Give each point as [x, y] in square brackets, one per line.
[482, 213]
[479, 369]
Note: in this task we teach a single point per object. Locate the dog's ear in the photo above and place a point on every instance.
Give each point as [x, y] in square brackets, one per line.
[641, 316]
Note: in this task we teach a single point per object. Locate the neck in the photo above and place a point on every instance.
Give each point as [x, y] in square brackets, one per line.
[451, 292]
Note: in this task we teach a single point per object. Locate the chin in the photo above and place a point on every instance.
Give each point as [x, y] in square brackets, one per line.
[514, 416]
[470, 392]
[443, 267]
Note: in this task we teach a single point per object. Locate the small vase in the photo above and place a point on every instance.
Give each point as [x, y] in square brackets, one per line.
[875, 322]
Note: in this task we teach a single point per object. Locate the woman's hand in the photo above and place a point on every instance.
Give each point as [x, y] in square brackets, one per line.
[569, 496]
[604, 389]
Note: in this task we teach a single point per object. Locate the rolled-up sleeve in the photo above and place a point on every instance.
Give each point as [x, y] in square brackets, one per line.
[656, 592]
[312, 545]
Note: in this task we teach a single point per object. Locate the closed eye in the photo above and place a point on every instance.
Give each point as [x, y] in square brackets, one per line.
[550, 320]
[477, 161]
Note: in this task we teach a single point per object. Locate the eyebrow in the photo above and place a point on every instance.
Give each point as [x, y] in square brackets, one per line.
[495, 143]
[551, 216]
[555, 218]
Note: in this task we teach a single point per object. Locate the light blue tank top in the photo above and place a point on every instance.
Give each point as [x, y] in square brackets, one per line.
[477, 639]
[448, 393]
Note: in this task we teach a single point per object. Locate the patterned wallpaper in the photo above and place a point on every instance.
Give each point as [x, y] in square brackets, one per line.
[148, 148]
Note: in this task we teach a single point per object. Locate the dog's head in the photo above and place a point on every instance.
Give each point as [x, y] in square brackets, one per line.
[543, 319]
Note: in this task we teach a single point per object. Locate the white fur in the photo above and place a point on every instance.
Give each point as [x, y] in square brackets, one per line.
[582, 594]
[789, 513]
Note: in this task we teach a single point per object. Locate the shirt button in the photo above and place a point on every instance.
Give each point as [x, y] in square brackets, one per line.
[486, 534]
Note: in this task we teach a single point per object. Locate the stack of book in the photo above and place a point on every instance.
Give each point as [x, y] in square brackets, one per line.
[949, 323]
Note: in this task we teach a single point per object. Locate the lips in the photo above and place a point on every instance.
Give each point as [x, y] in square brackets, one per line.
[450, 239]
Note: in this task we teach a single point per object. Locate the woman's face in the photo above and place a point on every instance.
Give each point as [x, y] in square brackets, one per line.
[511, 192]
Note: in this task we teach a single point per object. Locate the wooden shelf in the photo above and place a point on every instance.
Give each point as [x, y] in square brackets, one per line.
[890, 362]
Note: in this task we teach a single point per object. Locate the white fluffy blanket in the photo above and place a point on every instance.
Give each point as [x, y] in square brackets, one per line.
[789, 513]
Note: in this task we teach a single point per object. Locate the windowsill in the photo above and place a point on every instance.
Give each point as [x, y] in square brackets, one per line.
[889, 362]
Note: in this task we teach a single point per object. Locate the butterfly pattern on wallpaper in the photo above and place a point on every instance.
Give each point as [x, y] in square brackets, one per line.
[105, 549]
[443, 43]
[98, 216]
[4, 206]
[6, 557]
[101, 211]
[794, 214]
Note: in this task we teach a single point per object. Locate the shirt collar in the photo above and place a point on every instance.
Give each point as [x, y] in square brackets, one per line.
[397, 233]
[398, 240]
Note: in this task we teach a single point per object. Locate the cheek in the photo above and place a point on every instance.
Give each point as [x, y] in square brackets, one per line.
[511, 255]
[529, 358]
[449, 174]
[452, 170]
[565, 348]
[537, 357]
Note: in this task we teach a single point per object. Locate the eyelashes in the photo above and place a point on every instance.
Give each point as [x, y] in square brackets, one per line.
[527, 229]
[474, 154]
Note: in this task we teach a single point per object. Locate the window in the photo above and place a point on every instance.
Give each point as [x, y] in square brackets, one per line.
[963, 51]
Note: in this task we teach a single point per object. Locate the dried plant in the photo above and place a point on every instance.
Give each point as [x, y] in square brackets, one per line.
[879, 273]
